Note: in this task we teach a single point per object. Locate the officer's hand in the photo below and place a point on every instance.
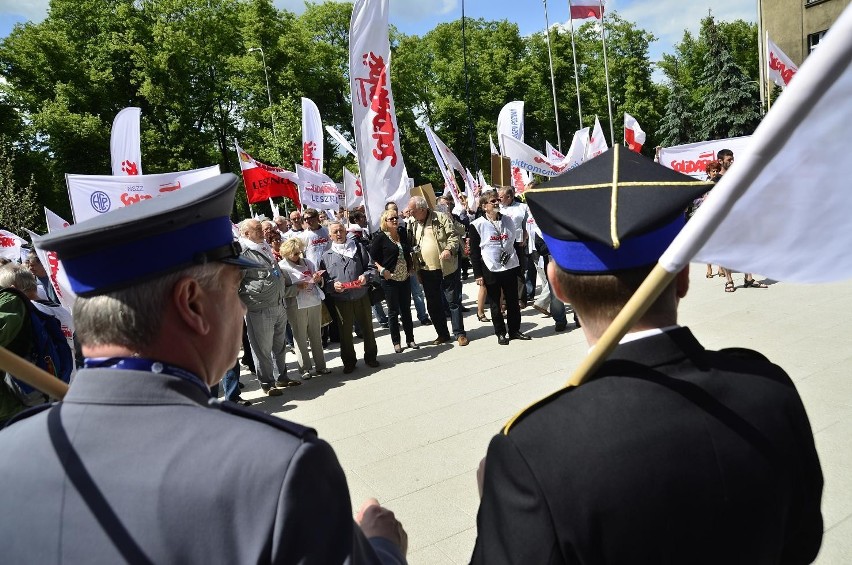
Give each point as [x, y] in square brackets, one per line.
[377, 521]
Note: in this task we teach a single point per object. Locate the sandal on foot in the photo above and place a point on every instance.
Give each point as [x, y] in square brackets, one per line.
[482, 318]
[729, 287]
[397, 348]
[751, 283]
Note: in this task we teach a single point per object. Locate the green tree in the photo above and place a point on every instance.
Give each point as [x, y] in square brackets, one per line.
[19, 207]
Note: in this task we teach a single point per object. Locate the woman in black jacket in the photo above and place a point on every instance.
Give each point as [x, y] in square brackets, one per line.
[391, 252]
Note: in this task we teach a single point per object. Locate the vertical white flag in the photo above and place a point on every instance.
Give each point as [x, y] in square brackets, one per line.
[597, 141]
[352, 189]
[510, 122]
[124, 145]
[376, 132]
[493, 147]
[312, 146]
[579, 148]
[781, 69]
[338, 137]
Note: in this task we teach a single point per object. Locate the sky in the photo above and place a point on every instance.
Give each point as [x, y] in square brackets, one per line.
[666, 19]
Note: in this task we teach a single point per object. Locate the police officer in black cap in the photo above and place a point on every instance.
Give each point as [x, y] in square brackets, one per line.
[669, 453]
[139, 464]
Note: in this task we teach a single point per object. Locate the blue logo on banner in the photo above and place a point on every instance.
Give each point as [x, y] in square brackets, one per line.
[100, 201]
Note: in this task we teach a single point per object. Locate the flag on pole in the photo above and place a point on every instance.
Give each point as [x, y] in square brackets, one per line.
[634, 135]
[510, 122]
[493, 147]
[338, 137]
[374, 116]
[780, 68]
[525, 157]
[352, 189]
[579, 148]
[552, 153]
[124, 145]
[597, 141]
[10, 246]
[53, 266]
[312, 145]
[446, 171]
[789, 189]
[264, 181]
[583, 9]
[317, 190]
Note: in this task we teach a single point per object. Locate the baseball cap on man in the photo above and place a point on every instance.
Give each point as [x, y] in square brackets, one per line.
[150, 238]
[614, 212]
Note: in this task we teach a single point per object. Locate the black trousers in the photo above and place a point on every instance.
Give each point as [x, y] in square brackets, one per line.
[507, 282]
[398, 297]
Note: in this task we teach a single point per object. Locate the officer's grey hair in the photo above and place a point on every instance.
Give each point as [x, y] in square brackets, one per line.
[132, 317]
[18, 276]
[420, 202]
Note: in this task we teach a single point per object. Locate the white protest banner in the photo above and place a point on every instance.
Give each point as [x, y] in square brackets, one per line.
[552, 153]
[10, 246]
[597, 141]
[780, 68]
[52, 264]
[312, 142]
[376, 132]
[124, 145]
[510, 122]
[338, 137]
[352, 188]
[579, 147]
[98, 194]
[446, 171]
[692, 158]
[317, 190]
[527, 158]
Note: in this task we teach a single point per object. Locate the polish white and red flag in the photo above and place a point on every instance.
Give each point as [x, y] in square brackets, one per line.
[780, 67]
[634, 135]
[354, 194]
[374, 116]
[597, 141]
[312, 146]
[583, 9]
[124, 145]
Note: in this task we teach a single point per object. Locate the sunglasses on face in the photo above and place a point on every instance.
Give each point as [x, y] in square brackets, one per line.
[494, 201]
[393, 218]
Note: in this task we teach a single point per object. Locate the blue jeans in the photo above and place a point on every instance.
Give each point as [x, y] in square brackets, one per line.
[418, 297]
[231, 384]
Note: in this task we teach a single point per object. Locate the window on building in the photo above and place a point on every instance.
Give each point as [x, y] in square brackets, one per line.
[814, 39]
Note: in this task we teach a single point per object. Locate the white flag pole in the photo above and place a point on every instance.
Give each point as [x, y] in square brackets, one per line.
[552, 79]
[606, 74]
[576, 76]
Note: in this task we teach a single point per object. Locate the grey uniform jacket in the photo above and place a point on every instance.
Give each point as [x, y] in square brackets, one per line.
[670, 454]
[136, 467]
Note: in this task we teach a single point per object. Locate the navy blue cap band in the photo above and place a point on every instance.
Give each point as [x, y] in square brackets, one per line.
[593, 257]
[129, 262]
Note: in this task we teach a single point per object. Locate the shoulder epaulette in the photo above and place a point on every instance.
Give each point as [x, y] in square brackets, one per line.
[531, 407]
[743, 353]
[24, 414]
[290, 427]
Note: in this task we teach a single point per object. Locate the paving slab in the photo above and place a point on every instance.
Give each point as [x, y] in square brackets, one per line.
[412, 432]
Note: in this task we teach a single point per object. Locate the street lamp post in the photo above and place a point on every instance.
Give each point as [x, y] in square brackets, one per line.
[268, 92]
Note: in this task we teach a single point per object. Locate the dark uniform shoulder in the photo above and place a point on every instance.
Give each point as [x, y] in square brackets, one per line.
[297, 430]
[538, 404]
[743, 353]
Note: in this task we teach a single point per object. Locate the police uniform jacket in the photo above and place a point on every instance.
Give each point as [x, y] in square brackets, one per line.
[670, 454]
[136, 467]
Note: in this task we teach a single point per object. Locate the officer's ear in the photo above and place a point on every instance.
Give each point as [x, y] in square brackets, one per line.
[189, 305]
[555, 285]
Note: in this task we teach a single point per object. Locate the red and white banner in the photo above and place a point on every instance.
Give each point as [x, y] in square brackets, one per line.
[579, 148]
[264, 181]
[10, 246]
[352, 188]
[552, 153]
[634, 135]
[780, 68]
[318, 190]
[583, 9]
[450, 184]
[124, 145]
[783, 210]
[692, 158]
[92, 195]
[510, 122]
[376, 131]
[312, 142]
[528, 159]
[597, 141]
[338, 137]
[52, 264]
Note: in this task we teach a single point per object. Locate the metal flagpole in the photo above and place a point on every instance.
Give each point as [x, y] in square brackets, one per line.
[760, 56]
[552, 79]
[606, 74]
[576, 76]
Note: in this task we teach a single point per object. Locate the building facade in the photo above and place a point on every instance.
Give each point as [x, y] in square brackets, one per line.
[797, 26]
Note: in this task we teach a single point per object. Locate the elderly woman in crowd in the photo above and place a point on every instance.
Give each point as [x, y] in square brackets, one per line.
[304, 306]
[495, 265]
[348, 269]
[391, 253]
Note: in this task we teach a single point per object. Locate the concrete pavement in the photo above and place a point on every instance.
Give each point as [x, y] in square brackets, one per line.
[412, 433]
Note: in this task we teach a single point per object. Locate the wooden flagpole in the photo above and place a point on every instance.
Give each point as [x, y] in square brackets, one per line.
[32, 375]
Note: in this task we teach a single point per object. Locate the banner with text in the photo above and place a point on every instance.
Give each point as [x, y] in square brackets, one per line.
[692, 158]
[317, 190]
